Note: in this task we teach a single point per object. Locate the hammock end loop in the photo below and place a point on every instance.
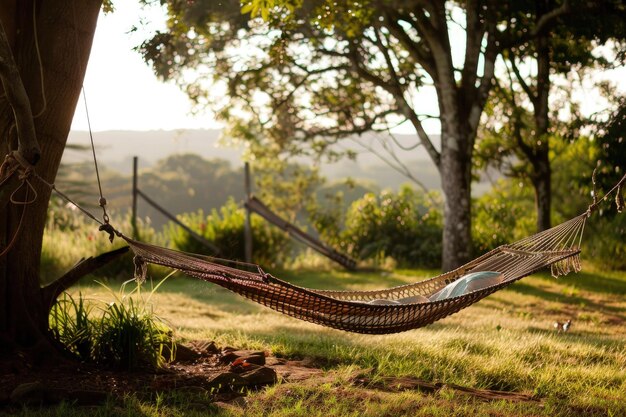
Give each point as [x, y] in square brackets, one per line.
[267, 278]
[141, 269]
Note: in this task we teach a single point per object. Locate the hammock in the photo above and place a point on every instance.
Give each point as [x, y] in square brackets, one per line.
[372, 312]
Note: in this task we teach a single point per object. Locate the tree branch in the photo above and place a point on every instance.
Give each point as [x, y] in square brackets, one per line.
[472, 47]
[18, 99]
[401, 102]
[396, 164]
[548, 18]
[490, 56]
[344, 131]
[384, 49]
[543, 24]
[84, 267]
[415, 49]
[435, 32]
[521, 80]
[408, 112]
[527, 150]
[356, 60]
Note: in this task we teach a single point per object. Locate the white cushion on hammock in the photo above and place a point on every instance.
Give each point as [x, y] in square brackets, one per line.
[416, 299]
[468, 283]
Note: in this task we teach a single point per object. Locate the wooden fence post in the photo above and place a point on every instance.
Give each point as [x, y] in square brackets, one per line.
[133, 216]
[248, 225]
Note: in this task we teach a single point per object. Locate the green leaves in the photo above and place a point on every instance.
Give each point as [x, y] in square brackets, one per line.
[225, 227]
[258, 7]
[263, 8]
[403, 225]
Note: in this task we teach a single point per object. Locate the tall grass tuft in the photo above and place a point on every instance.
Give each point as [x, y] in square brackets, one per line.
[126, 335]
[70, 325]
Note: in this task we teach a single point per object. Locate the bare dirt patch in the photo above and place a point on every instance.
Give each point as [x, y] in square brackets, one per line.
[200, 367]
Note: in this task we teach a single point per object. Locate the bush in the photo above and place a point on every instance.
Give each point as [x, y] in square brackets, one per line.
[503, 215]
[225, 228]
[604, 242]
[131, 337]
[406, 226]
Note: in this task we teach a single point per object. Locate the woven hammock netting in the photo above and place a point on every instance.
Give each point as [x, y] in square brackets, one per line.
[558, 248]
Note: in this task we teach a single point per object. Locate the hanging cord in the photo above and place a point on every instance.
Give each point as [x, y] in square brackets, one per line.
[619, 201]
[15, 163]
[102, 202]
[104, 226]
[43, 87]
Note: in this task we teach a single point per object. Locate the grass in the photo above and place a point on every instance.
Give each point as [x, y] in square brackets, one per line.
[504, 342]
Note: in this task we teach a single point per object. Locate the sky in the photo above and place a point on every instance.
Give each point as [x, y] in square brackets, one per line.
[123, 93]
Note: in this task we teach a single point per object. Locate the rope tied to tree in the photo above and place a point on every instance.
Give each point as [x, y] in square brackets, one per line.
[7, 168]
[15, 163]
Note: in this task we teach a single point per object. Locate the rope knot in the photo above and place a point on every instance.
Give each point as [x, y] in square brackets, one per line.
[21, 160]
[25, 173]
[8, 166]
[108, 228]
[265, 277]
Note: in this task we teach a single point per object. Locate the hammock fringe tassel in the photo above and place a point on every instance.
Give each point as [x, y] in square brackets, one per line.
[564, 267]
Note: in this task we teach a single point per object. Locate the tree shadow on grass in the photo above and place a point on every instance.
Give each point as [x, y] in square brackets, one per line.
[535, 291]
[327, 348]
[580, 337]
[596, 282]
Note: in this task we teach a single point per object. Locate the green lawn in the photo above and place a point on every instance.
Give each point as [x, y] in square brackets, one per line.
[505, 342]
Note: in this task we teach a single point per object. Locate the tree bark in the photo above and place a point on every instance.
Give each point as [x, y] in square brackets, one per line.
[541, 163]
[543, 192]
[65, 32]
[456, 184]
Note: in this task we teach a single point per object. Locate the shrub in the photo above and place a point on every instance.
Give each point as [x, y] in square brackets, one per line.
[406, 226]
[503, 215]
[225, 228]
[131, 337]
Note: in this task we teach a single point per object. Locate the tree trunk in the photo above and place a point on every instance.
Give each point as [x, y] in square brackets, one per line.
[541, 161]
[543, 190]
[65, 32]
[456, 184]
